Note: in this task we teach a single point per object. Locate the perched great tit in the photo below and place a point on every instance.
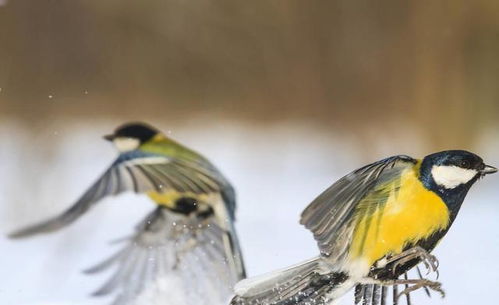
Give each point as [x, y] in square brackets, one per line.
[190, 235]
[372, 226]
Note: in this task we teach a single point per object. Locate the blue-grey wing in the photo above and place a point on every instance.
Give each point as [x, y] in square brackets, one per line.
[330, 215]
[140, 172]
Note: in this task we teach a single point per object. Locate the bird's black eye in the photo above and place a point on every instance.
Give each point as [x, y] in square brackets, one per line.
[464, 164]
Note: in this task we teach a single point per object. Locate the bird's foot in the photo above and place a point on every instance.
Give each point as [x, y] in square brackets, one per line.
[412, 285]
[430, 261]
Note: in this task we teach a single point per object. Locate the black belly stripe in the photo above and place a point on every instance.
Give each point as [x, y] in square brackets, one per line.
[185, 205]
[189, 205]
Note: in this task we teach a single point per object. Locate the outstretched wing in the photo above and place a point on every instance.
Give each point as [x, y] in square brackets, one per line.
[172, 259]
[140, 172]
[330, 216]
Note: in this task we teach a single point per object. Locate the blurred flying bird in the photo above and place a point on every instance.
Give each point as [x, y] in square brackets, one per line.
[372, 226]
[190, 234]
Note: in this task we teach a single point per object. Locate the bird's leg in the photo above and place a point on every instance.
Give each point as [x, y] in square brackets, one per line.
[423, 283]
[430, 261]
[414, 284]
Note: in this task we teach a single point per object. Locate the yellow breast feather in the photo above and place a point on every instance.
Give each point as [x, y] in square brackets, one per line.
[394, 215]
[169, 198]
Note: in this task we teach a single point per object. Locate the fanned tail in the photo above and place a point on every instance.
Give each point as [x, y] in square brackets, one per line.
[311, 282]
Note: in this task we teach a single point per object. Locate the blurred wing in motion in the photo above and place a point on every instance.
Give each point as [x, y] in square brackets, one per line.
[140, 172]
[173, 259]
[331, 215]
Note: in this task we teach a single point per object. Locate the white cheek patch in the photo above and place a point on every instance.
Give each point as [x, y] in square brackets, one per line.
[450, 176]
[126, 144]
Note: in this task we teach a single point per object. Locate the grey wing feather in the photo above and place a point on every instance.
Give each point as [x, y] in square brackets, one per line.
[98, 190]
[229, 197]
[139, 172]
[329, 215]
[235, 259]
[171, 256]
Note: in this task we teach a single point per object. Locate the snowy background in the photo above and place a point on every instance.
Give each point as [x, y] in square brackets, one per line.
[277, 170]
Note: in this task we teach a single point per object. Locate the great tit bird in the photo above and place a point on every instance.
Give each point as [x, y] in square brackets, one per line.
[372, 226]
[190, 235]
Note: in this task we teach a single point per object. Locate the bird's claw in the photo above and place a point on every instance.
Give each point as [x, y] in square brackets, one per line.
[422, 283]
[430, 261]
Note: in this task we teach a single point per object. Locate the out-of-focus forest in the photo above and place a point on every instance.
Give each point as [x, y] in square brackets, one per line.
[349, 65]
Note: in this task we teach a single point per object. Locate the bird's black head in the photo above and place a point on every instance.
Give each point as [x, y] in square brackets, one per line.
[451, 173]
[131, 135]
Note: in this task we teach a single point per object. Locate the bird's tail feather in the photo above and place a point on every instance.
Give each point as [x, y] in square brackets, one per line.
[310, 282]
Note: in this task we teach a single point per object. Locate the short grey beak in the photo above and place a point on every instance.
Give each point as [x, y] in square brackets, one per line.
[488, 170]
[109, 137]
